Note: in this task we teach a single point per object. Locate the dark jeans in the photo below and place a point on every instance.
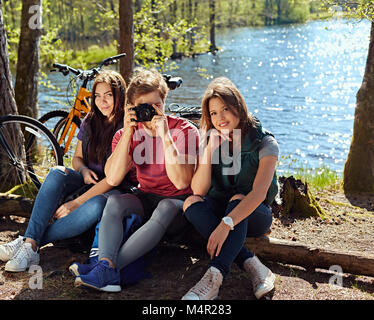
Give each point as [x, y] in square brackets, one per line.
[60, 182]
[206, 215]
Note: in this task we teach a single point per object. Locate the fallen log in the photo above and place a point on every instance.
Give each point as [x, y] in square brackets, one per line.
[291, 252]
[11, 204]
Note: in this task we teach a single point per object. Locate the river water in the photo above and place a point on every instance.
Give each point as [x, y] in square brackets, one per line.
[299, 80]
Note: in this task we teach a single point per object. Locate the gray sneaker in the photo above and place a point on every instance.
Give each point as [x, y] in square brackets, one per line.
[23, 259]
[207, 288]
[8, 250]
[261, 276]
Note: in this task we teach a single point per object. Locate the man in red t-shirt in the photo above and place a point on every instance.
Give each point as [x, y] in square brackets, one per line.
[148, 155]
[163, 152]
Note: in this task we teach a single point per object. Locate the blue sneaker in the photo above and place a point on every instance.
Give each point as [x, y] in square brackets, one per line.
[102, 277]
[78, 269]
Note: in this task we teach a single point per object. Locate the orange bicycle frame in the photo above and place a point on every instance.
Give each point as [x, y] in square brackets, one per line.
[81, 105]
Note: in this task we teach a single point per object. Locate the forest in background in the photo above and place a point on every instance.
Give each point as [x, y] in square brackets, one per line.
[163, 29]
[79, 32]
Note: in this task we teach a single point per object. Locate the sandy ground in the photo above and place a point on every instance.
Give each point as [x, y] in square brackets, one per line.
[176, 268]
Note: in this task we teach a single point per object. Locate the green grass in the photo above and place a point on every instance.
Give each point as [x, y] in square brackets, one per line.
[317, 178]
[323, 15]
[93, 55]
[83, 59]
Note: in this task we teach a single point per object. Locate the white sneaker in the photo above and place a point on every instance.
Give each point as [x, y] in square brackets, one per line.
[207, 288]
[23, 259]
[261, 276]
[8, 250]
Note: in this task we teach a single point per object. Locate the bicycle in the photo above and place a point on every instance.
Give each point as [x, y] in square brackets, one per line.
[193, 114]
[27, 151]
[65, 122]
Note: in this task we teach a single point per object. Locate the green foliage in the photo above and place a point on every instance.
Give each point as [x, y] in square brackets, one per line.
[288, 11]
[51, 48]
[318, 178]
[359, 9]
[74, 30]
[12, 19]
[157, 37]
[295, 11]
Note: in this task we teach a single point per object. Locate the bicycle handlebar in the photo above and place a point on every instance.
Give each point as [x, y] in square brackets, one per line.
[65, 69]
[87, 74]
[172, 82]
[111, 60]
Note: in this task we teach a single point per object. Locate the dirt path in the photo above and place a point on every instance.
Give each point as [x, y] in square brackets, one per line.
[176, 268]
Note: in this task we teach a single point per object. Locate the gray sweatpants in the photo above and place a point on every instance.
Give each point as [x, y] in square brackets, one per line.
[141, 241]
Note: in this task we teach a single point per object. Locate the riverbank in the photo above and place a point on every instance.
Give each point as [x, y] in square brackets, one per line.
[94, 53]
[294, 78]
[178, 267]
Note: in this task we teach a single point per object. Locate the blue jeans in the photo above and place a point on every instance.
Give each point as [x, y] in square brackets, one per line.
[206, 215]
[59, 183]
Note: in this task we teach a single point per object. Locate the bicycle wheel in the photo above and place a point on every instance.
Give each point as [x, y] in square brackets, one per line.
[55, 121]
[51, 118]
[24, 167]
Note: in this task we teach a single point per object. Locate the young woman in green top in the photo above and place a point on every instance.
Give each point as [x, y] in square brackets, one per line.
[233, 187]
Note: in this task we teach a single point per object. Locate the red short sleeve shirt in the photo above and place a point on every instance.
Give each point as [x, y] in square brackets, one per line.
[148, 156]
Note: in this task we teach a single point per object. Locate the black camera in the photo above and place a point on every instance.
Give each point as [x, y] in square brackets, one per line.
[144, 112]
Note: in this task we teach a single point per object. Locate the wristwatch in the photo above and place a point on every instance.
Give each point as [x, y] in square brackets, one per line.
[229, 222]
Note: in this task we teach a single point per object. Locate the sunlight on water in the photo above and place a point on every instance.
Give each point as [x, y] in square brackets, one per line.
[299, 80]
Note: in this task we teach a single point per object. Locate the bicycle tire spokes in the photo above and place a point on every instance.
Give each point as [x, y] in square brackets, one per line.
[30, 160]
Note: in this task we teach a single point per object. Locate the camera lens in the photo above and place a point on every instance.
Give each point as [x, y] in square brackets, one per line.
[144, 112]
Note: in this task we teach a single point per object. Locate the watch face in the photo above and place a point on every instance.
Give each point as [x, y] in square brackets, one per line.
[228, 221]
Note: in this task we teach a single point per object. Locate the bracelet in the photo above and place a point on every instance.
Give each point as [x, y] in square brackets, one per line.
[81, 168]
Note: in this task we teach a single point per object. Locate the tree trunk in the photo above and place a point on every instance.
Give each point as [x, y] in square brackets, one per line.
[158, 34]
[191, 34]
[175, 9]
[7, 104]
[190, 17]
[267, 13]
[7, 101]
[279, 16]
[112, 5]
[297, 199]
[359, 167]
[212, 24]
[27, 78]
[126, 30]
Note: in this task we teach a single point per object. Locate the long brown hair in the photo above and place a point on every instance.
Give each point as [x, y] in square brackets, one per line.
[103, 128]
[229, 94]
